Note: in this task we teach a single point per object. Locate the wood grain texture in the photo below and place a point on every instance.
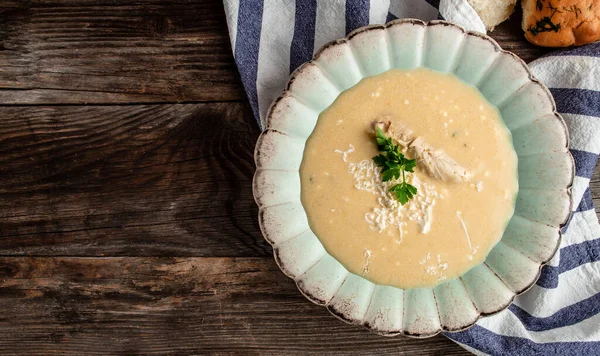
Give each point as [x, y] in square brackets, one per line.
[140, 180]
[595, 188]
[163, 192]
[102, 51]
[174, 306]
[106, 52]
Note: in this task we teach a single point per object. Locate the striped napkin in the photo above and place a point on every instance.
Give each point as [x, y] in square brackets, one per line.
[560, 315]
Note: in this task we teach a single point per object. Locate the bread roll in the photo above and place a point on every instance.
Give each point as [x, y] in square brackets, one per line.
[561, 23]
[493, 12]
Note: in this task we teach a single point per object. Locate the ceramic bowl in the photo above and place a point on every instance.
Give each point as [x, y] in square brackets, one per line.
[545, 173]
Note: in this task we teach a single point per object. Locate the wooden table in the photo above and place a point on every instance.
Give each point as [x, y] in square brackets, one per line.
[126, 159]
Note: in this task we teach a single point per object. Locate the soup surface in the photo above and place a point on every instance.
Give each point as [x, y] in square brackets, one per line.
[448, 227]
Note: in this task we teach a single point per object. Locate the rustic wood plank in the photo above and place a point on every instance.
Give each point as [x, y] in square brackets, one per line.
[129, 180]
[595, 188]
[102, 51]
[174, 306]
[93, 52]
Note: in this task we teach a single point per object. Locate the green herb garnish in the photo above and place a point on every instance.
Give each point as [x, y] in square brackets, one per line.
[545, 24]
[393, 165]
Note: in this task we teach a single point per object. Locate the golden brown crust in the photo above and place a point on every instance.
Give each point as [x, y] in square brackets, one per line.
[561, 23]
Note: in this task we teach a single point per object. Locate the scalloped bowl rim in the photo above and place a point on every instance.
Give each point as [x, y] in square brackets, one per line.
[346, 39]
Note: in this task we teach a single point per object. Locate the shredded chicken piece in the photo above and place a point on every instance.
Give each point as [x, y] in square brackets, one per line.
[425, 223]
[462, 222]
[438, 164]
[367, 255]
[402, 134]
[435, 162]
[346, 152]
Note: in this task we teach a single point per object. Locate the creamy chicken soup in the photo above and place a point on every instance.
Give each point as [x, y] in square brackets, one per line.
[466, 179]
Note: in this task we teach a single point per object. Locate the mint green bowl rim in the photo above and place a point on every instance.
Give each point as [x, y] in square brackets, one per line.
[257, 186]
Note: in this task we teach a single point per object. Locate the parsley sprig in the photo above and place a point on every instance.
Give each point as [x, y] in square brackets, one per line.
[393, 165]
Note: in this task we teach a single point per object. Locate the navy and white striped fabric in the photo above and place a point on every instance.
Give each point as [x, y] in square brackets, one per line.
[560, 315]
[271, 38]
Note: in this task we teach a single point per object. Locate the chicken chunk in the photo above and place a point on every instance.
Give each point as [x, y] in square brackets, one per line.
[435, 162]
